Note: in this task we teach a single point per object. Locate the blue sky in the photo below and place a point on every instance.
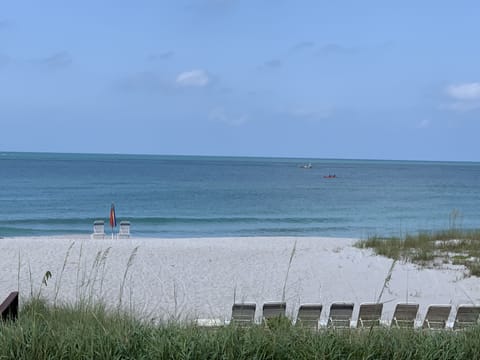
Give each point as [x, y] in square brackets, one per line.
[356, 79]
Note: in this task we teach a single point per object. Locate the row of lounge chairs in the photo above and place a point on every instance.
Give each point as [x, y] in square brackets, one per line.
[340, 315]
[369, 315]
[99, 230]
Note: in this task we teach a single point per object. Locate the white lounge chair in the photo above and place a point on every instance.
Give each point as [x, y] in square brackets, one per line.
[437, 316]
[467, 316]
[243, 314]
[209, 323]
[124, 232]
[98, 229]
[273, 310]
[369, 315]
[340, 315]
[404, 316]
[309, 316]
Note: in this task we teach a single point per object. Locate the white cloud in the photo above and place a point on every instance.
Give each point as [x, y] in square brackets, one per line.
[465, 97]
[193, 78]
[467, 91]
[220, 115]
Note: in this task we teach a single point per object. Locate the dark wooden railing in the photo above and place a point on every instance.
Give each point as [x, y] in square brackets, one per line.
[9, 307]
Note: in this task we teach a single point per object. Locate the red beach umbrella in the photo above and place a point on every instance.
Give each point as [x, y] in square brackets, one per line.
[113, 218]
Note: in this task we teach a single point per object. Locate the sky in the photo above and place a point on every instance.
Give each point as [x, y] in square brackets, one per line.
[280, 78]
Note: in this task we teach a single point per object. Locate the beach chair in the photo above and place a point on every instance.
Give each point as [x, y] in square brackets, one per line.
[98, 229]
[212, 324]
[404, 316]
[273, 310]
[124, 232]
[243, 314]
[309, 315]
[437, 316]
[340, 315]
[369, 315]
[467, 316]
[9, 307]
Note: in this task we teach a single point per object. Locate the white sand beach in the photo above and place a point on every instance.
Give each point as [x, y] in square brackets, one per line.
[202, 277]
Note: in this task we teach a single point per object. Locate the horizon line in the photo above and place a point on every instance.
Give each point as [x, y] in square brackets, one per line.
[236, 156]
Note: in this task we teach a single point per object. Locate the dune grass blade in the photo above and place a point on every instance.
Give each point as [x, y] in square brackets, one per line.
[292, 254]
[58, 280]
[387, 280]
[129, 265]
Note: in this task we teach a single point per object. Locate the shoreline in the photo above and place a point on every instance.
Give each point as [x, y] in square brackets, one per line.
[188, 278]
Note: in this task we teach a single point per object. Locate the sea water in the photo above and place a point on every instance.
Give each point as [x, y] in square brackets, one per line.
[188, 196]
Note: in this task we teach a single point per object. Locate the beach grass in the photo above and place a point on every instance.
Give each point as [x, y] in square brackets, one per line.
[453, 246]
[46, 331]
[89, 329]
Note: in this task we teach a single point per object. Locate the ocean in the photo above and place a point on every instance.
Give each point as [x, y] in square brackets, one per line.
[190, 196]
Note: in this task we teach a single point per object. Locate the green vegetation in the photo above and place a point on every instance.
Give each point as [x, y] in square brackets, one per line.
[86, 332]
[454, 246]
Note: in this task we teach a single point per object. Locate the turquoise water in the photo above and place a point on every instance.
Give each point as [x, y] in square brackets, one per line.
[179, 196]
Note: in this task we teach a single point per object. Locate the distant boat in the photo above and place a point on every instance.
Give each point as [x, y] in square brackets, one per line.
[330, 176]
[306, 166]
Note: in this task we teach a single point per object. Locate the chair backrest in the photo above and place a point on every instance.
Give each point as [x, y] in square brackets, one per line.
[340, 315]
[404, 315]
[243, 314]
[369, 315]
[99, 227]
[9, 307]
[437, 316]
[467, 315]
[309, 315]
[273, 310]
[124, 228]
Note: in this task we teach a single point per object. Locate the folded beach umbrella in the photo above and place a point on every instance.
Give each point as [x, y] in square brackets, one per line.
[113, 218]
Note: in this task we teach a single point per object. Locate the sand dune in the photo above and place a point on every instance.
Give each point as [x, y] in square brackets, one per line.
[190, 278]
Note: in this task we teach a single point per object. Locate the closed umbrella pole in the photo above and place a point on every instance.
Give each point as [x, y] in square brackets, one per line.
[113, 218]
